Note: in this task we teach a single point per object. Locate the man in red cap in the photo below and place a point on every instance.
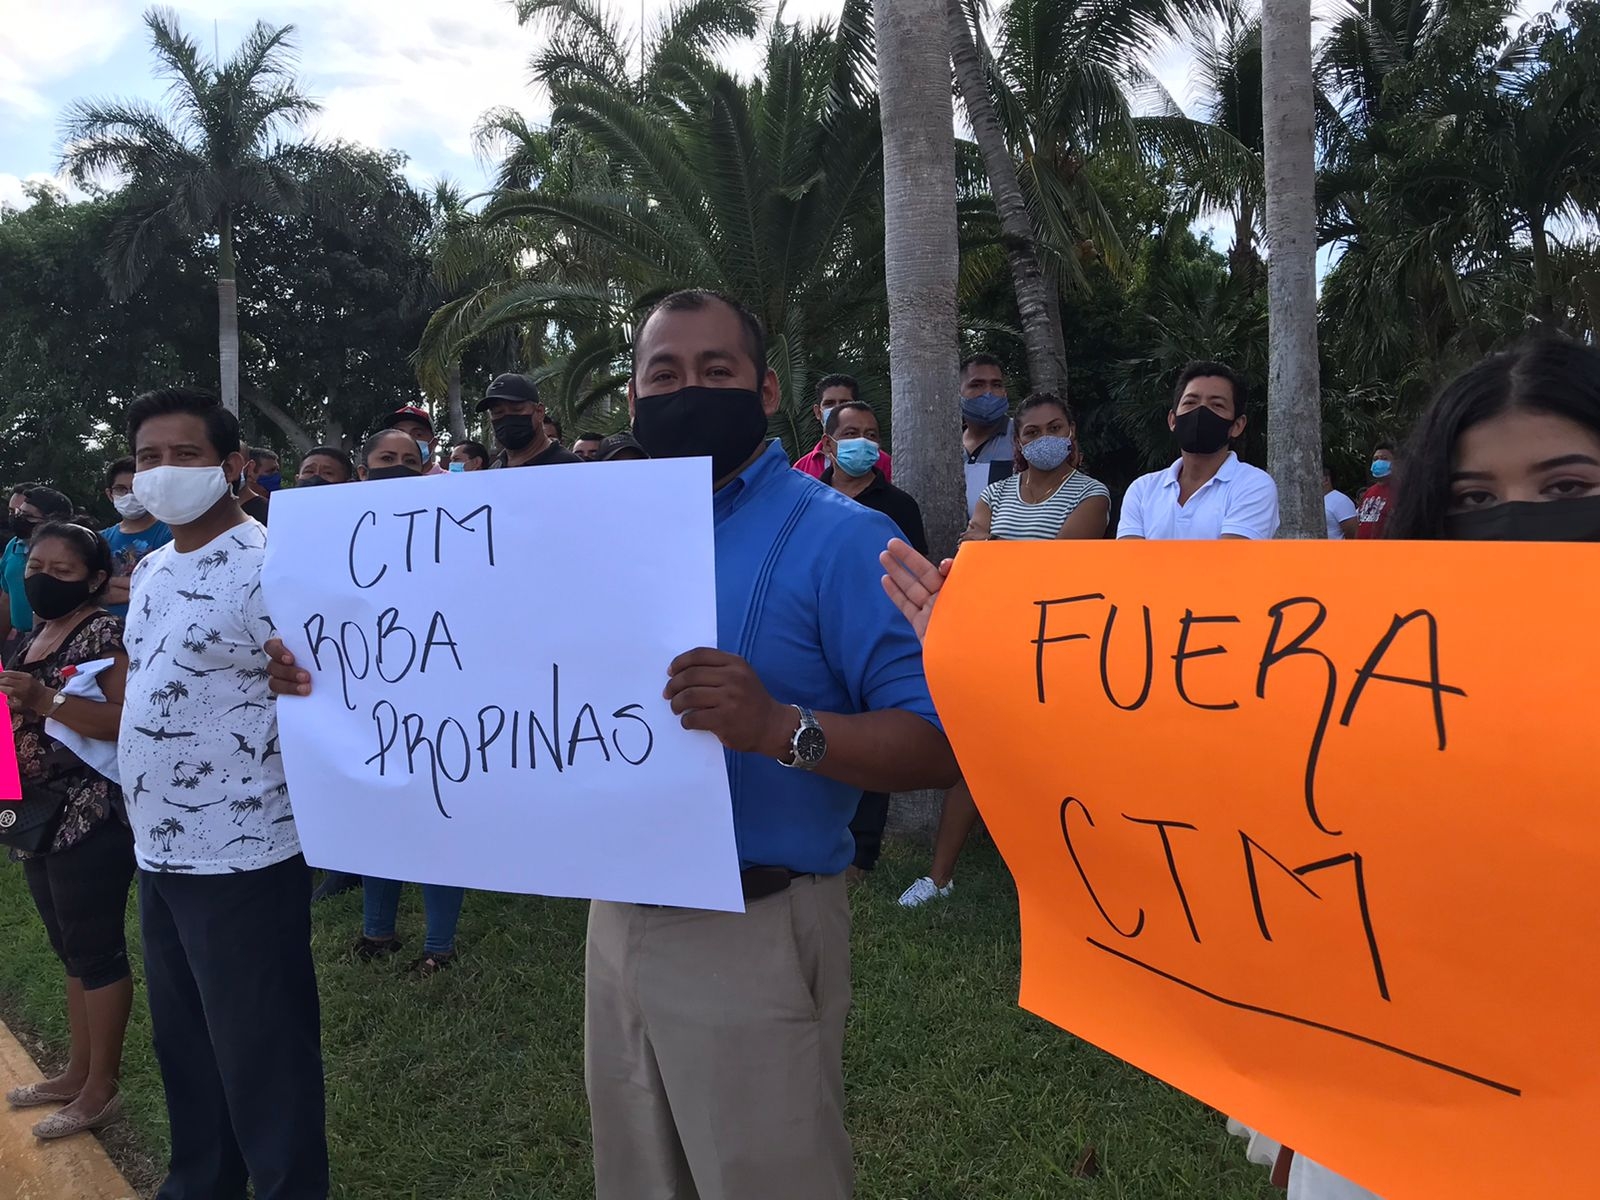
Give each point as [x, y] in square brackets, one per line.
[416, 422]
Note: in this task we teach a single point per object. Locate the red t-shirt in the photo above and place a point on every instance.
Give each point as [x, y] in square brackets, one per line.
[1372, 514]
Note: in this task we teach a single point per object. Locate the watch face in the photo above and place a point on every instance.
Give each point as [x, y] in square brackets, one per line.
[810, 745]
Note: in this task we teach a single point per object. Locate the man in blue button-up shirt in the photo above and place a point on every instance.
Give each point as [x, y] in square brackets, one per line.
[715, 1040]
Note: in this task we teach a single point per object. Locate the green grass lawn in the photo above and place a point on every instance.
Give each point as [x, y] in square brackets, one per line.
[470, 1084]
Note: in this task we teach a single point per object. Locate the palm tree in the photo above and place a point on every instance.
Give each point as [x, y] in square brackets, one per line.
[192, 166]
[1041, 333]
[1294, 385]
[921, 256]
[766, 190]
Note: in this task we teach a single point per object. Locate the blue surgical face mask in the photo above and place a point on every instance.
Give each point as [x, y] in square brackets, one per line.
[856, 456]
[425, 450]
[987, 409]
[1047, 453]
[457, 468]
[1381, 467]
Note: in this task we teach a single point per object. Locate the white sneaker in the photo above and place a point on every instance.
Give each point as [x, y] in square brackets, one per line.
[924, 890]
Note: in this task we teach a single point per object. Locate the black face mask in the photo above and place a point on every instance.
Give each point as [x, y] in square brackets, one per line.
[1529, 521]
[23, 526]
[312, 481]
[50, 597]
[397, 471]
[515, 432]
[723, 424]
[1201, 431]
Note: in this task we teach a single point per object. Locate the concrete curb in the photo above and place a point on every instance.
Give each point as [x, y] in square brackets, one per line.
[74, 1168]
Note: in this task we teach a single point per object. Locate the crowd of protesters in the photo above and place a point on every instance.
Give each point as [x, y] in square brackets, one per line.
[143, 672]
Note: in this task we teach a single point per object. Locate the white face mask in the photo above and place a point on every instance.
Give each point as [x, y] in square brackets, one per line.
[180, 495]
[128, 507]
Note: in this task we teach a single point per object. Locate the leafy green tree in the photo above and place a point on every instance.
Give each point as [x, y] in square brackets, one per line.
[195, 166]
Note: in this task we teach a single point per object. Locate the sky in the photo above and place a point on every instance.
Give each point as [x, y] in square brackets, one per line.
[411, 75]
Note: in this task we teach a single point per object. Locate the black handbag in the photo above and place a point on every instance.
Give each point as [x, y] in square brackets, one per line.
[30, 824]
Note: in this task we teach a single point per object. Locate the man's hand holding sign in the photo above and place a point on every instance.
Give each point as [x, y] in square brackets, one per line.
[1312, 852]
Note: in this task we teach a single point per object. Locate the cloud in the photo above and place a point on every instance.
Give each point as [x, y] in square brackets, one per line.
[56, 40]
[12, 195]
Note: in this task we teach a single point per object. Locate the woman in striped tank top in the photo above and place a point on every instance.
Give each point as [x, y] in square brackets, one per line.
[1048, 497]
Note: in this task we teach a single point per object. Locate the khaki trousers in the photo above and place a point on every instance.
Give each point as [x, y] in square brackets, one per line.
[714, 1048]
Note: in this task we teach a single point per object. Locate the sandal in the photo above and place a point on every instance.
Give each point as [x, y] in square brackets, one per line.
[431, 964]
[32, 1095]
[59, 1125]
[371, 949]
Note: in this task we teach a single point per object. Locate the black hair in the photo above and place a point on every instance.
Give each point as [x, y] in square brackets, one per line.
[49, 502]
[832, 422]
[1384, 445]
[694, 299]
[22, 489]
[1550, 375]
[371, 444]
[1040, 400]
[476, 450]
[333, 452]
[550, 419]
[1205, 369]
[259, 454]
[121, 466]
[589, 435]
[838, 381]
[91, 547]
[980, 360]
[222, 427]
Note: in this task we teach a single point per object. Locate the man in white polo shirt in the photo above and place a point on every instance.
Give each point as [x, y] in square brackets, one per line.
[1208, 493]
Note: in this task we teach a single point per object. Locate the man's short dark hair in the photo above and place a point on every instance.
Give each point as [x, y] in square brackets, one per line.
[694, 299]
[589, 435]
[122, 466]
[22, 489]
[549, 419]
[49, 502]
[333, 452]
[835, 414]
[838, 381]
[260, 454]
[1204, 369]
[222, 427]
[475, 450]
[981, 360]
[1384, 445]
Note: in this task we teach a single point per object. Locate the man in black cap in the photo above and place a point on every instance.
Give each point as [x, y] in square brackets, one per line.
[514, 408]
[620, 447]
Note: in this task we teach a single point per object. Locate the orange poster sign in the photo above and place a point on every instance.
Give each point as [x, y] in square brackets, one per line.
[1308, 831]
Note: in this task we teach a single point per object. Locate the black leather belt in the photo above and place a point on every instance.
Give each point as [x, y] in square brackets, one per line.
[761, 882]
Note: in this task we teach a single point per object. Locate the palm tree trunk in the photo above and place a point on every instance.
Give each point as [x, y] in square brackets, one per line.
[227, 315]
[458, 418]
[1543, 283]
[298, 437]
[921, 262]
[1294, 389]
[1047, 360]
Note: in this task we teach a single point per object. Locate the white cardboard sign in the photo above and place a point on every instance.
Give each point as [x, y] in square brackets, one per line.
[489, 650]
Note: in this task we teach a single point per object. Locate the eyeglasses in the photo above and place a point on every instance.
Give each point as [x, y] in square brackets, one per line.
[117, 493]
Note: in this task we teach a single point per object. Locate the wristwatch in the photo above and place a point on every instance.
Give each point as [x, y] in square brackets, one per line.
[56, 702]
[809, 744]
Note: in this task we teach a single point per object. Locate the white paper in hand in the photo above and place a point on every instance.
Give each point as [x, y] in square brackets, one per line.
[489, 651]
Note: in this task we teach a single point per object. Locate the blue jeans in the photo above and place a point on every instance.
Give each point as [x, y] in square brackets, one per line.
[440, 905]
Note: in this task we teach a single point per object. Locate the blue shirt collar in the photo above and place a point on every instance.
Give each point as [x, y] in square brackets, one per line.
[736, 493]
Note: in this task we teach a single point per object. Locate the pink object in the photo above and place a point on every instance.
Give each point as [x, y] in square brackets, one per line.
[10, 777]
